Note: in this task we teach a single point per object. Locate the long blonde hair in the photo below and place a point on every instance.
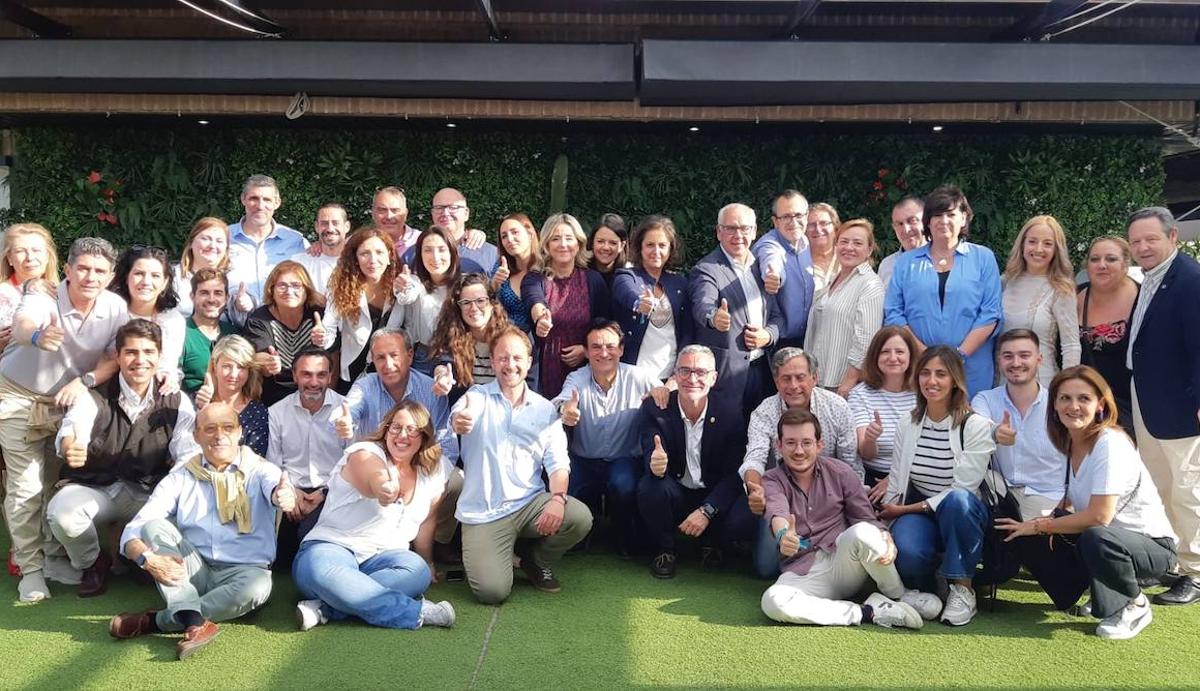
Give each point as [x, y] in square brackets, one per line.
[1060, 272]
[7, 270]
[185, 259]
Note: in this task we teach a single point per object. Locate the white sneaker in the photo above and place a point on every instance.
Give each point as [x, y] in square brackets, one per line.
[889, 613]
[437, 614]
[927, 604]
[960, 606]
[309, 614]
[33, 588]
[1127, 623]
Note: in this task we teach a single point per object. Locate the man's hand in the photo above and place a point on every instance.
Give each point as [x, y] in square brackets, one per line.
[1006, 434]
[771, 282]
[658, 458]
[243, 302]
[462, 421]
[166, 569]
[284, 496]
[695, 524]
[551, 517]
[70, 393]
[443, 380]
[474, 239]
[790, 544]
[879, 491]
[570, 410]
[889, 554]
[314, 250]
[543, 325]
[343, 424]
[721, 320]
[889, 511]
[74, 453]
[756, 337]
[662, 396]
[50, 338]
[756, 498]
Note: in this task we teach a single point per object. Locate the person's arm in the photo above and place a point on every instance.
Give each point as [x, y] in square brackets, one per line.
[78, 422]
[862, 415]
[423, 542]
[894, 303]
[759, 435]
[991, 309]
[855, 503]
[161, 505]
[771, 256]
[1063, 308]
[868, 317]
[1100, 511]
[35, 312]
[844, 432]
[599, 296]
[183, 444]
[626, 296]
[368, 473]
[705, 298]
[533, 295]
[558, 468]
[275, 435]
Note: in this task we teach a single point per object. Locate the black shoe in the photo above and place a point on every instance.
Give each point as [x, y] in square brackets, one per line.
[446, 554]
[711, 557]
[541, 577]
[1185, 591]
[663, 566]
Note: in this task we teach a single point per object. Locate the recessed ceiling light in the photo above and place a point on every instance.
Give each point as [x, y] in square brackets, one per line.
[202, 122]
[693, 128]
[451, 124]
[937, 128]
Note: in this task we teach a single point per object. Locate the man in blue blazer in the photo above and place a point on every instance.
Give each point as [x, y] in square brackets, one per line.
[785, 265]
[692, 449]
[732, 312]
[1164, 333]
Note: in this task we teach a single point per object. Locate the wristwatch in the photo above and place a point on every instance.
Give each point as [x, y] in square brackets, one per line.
[88, 379]
[709, 511]
[141, 560]
[560, 495]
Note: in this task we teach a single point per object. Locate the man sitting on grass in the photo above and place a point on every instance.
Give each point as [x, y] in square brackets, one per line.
[829, 540]
[207, 536]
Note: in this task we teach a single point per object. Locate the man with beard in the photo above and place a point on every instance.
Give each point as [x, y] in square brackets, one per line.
[332, 226]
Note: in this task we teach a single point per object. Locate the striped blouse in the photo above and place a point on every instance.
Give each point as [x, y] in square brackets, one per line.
[933, 467]
[842, 322]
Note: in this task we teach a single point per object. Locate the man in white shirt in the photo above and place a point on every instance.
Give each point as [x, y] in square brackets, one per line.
[332, 226]
[1033, 469]
[305, 444]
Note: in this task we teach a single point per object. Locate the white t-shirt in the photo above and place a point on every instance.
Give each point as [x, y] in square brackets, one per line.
[892, 408]
[319, 269]
[1114, 468]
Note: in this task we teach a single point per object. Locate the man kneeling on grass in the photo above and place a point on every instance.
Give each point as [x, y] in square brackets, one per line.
[207, 570]
[829, 540]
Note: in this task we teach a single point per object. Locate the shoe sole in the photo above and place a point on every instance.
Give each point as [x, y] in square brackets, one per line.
[192, 650]
[663, 576]
[947, 622]
[546, 589]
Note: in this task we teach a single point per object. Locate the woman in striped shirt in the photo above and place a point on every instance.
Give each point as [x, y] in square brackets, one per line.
[940, 458]
[881, 401]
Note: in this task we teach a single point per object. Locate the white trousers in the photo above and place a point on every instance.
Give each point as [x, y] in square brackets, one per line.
[818, 597]
[76, 510]
[1032, 505]
[1174, 465]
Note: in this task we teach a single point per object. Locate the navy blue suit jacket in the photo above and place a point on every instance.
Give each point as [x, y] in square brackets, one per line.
[628, 285]
[1166, 354]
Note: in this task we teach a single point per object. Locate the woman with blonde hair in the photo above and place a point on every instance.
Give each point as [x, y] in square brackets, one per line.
[233, 377]
[206, 247]
[1039, 293]
[370, 555]
[26, 253]
[1104, 305]
[283, 326]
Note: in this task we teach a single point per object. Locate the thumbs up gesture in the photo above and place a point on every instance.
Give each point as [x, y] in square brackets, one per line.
[243, 302]
[285, 496]
[756, 497]
[501, 274]
[721, 320]
[317, 335]
[1006, 434]
[387, 492]
[205, 393]
[570, 410]
[874, 429]
[343, 424]
[49, 338]
[658, 458]
[269, 361]
[647, 301]
[771, 281]
[74, 453]
[790, 544]
[403, 277]
[443, 380]
[544, 324]
[463, 419]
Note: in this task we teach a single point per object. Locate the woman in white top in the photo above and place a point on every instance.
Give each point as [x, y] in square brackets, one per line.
[359, 301]
[822, 222]
[882, 401]
[144, 279]
[206, 247]
[371, 553]
[845, 316]
[1122, 527]
[938, 463]
[26, 252]
[1039, 293]
[421, 293]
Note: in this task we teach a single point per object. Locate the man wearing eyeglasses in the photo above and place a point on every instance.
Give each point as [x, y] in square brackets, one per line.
[449, 210]
[734, 314]
[785, 266]
[691, 449]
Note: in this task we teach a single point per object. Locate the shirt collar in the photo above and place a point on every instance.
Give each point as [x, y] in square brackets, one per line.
[800, 245]
[963, 247]
[240, 230]
[1043, 395]
[129, 394]
[699, 420]
[1162, 268]
[325, 402]
[736, 264]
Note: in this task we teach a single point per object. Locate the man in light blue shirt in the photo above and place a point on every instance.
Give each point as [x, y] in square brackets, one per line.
[207, 536]
[786, 266]
[509, 435]
[257, 243]
[602, 401]
[1033, 469]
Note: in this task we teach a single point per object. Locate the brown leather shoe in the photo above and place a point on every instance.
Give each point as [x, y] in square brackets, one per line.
[132, 624]
[196, 637]
[94, 580]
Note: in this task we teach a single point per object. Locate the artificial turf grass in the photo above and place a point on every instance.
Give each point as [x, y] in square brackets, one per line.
[612, 625]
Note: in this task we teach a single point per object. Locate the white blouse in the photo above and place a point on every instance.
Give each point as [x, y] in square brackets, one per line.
[417, 310]
[1031, 302]
[842, 323]
[1114, 467]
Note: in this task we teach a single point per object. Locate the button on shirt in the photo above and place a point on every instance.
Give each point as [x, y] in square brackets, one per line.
[835, 501]
[693, 436]
[369, 403]
[87, 339]
[756, 306]
[250, 262]
[305, 444]
[505, 452]
[191, 505]
[1032, 462]
[608, 420]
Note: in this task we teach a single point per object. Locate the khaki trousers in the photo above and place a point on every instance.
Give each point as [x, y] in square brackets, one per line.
[32, 469]
[1174, 464]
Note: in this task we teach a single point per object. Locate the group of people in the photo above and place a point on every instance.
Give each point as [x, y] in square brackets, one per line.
[376, 408]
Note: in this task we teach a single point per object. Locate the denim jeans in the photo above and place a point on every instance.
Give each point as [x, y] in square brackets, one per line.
[766, 551]
[951, 537]
[617, 478]
[384, 590]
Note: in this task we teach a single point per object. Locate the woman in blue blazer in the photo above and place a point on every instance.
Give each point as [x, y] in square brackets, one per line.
[651, 302]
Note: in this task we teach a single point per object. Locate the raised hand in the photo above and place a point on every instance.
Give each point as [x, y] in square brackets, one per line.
[388, 492]
[343, 424]
[474, 239]
[74, 453]
[403, 277]
[544, 324]
[1006, 434]
[49, 338]
[756, 498]
[646, 301]
[790, 544]
[658, 458]
[462, 421]
[443, 380]
[721, 320]
[243, 302]
[570, 410]
[205, 393]
[501, 274]
[317, 335]
[771, 281]
[284, 496]
[269, 361]
[874, 429]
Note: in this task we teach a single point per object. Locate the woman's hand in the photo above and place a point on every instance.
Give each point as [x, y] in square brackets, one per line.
[889, 511]
[574, 355]
[1016, 529]
[878, 492]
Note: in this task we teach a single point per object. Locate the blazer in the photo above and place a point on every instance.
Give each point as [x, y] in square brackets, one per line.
[713, 279]
[1166, 354]
[971, 457]
[721, 445]
[627, 289]
[533, 291]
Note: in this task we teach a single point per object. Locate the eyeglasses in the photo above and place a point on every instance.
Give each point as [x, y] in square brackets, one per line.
[477, 303]
[689, 372]
[406, 430]
[824, 225]
[289, 288]
[791, 218]
[807, 444]
[451, 209]
[744, 230]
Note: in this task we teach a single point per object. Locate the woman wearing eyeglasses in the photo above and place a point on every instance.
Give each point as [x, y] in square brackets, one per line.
[421, 293]
[822, 222]
[370, 556]
[282, 327]
[143, 277]
[471, 317]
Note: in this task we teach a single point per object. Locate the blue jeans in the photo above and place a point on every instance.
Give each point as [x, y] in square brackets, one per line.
[382, 591]
[766, 551]
[592, 478]
[954, 531]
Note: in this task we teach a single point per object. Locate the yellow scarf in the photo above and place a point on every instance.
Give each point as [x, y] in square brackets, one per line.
[230, 487]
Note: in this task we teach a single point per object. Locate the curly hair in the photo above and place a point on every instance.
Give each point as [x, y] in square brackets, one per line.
[347, 283]
[452, 336]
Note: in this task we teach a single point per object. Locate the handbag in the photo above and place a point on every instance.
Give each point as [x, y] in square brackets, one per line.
[1001, 560]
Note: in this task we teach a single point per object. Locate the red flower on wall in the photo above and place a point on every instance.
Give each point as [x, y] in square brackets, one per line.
[94, 177]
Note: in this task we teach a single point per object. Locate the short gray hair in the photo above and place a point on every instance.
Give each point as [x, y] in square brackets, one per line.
[1162, 213]
[94, 246]
[696, 349]
[736, 205]
[785, 355]
[389, 331]
[259, 180]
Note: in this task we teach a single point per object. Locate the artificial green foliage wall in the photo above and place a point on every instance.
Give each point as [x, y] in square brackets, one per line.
[152, 183]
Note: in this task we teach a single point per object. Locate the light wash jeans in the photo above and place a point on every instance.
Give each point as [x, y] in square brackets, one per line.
[384, 590]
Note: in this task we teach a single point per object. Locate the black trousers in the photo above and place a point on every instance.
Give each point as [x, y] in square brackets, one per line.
[663, 504]
[1105, 559]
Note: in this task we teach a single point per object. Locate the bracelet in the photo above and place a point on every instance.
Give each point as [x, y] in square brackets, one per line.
[1039, 525]
[779, 536]
[34, 338]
